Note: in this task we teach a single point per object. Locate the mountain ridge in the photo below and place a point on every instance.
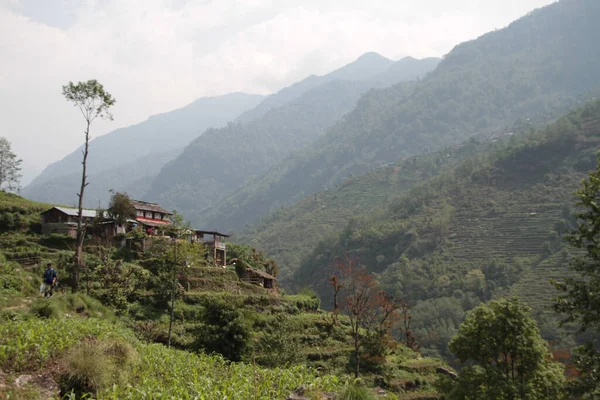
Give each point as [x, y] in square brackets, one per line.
[157, 134]
[530, 70]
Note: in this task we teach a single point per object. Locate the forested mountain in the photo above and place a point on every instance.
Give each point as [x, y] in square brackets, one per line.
[138, 150]
[534, 69]
[490, 226]
[222, 159]
[365, 67]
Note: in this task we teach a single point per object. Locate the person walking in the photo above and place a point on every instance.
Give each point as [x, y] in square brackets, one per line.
[49, 280]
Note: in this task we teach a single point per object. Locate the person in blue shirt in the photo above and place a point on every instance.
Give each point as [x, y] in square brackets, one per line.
[49, 279]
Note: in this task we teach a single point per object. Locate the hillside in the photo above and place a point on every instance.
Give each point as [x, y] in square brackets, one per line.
[535, 69]
[144, 146]
[289, 233]
[365, 67]
[230, 339]
[491, 226]
[222, 159]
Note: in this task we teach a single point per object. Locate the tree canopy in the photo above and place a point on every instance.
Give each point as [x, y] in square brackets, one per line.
[121, 208]
[579, 298]
[10, 166]
[504, 356]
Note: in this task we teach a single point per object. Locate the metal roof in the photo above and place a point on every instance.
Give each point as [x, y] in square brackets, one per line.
[146, 206]
[211, 233]
[74, 212]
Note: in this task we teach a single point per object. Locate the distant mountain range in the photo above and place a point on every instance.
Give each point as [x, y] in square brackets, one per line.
[137, 151]
[131, 159]
[221, 160]
[535, 69]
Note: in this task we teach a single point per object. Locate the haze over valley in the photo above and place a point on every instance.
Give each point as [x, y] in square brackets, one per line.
[405, 194]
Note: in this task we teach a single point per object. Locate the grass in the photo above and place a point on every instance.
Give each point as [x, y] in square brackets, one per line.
[161, 373]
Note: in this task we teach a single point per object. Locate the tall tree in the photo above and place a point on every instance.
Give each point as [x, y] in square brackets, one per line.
[504, 357]
[93, 102]
[580, 298]
[9, 167]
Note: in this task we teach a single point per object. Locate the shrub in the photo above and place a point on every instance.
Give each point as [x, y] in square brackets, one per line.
[224, 332]
[78, 303]
[356, 391]
[96, 365]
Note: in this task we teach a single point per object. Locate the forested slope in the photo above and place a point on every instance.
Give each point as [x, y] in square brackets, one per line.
[492, 225]
[535, 69]
[365, 67]
[222, 159]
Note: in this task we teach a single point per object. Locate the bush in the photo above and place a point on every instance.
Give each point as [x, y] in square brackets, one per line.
[78, 303]
[96, 365]
[224, 332]
[356, 391]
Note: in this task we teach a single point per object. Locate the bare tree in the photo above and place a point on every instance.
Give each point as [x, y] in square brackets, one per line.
[371, 311]
[93, 102]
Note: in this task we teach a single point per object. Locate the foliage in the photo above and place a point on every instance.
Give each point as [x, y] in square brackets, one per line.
[19, 214]
[10, 166]
[503, 356]
[501, 239]
[120, 207]
[93, 366]
[160, 372]
[587, 362]
[224, 332]
[90, 98]
[527, 72]
[30, 343]
[246, 256]
[70, 304]
[371, 311]
[579, 296]
[278, 347]
[356, 391]
[188, 182]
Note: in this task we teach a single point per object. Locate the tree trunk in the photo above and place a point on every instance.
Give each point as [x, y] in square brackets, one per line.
[78, 265]
[356, 355]
[173, 295]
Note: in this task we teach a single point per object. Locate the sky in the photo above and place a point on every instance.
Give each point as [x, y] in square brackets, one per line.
[154, 56]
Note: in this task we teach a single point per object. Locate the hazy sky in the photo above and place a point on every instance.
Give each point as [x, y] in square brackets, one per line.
[158, 55]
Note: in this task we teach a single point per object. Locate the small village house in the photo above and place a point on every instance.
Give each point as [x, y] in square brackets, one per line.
[151, 216]
[260, 278]
[64, 220]
[216, 243]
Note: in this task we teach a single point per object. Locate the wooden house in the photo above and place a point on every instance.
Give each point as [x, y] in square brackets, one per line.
[64, 220]
[260, 278]
[216, 244]
[152, 217]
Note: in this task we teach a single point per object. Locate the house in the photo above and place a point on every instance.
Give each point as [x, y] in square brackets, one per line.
[260, 278]
[151, 216]
[64, 220]
[216, 243]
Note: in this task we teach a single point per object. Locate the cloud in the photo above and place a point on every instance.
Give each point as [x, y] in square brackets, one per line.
[157, 55]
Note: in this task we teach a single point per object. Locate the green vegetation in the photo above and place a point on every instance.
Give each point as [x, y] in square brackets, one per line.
[503, 357]
[529, 71]
[264, 344]
[153, 370]
[488, 227]
[286, 122]
[9, 167]
[578, 298]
